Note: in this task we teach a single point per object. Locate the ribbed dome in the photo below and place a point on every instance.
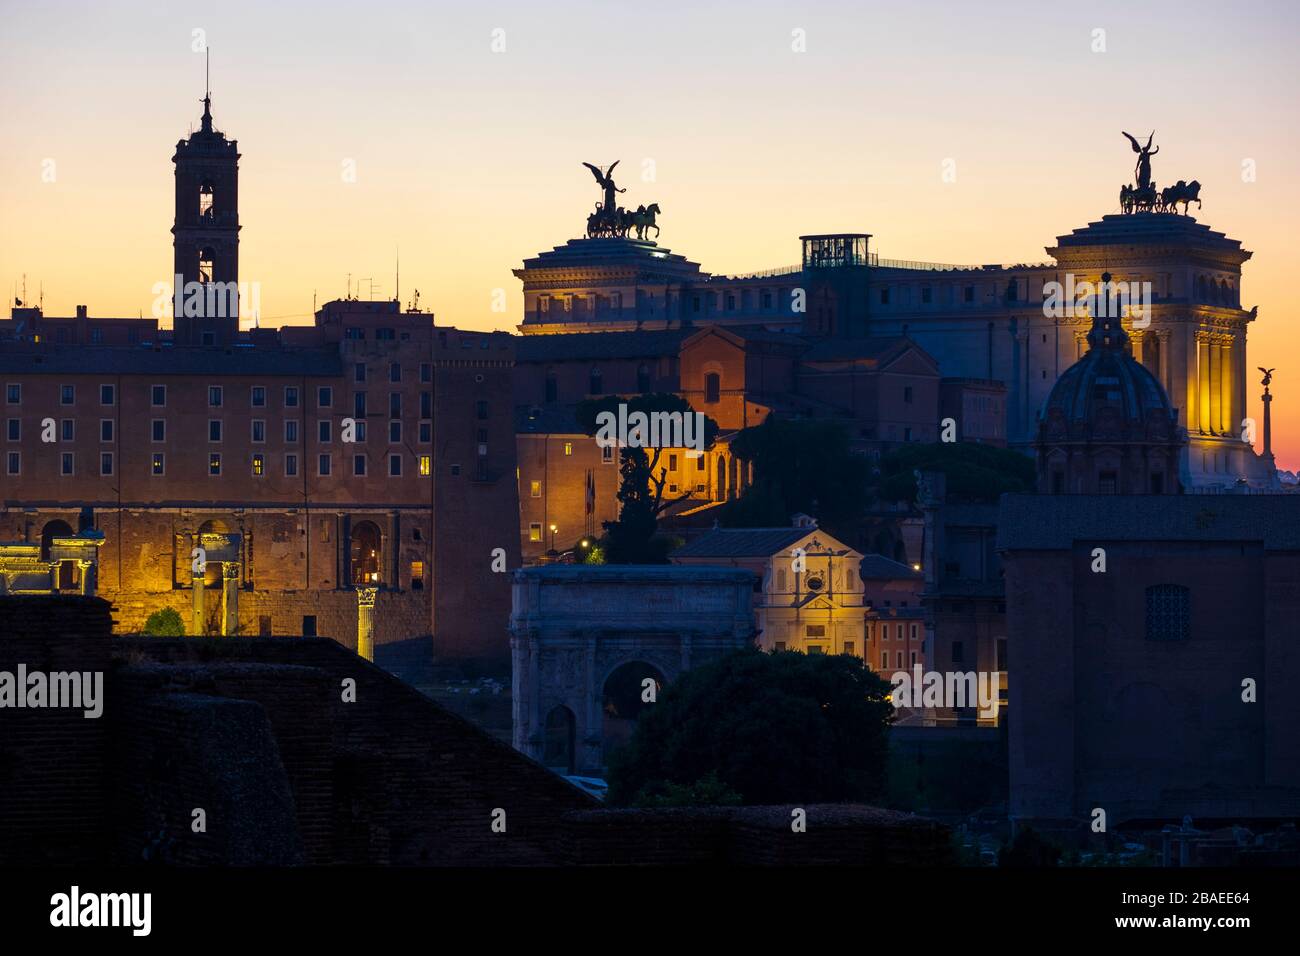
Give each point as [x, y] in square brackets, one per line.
[1108, 384]
[1107, 377]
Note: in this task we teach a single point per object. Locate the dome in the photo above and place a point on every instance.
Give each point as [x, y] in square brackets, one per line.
[1107, 378]
[1108, 391]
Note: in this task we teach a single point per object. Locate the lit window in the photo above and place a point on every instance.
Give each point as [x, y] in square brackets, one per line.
[426, 466]
[259, 466]
[568, 448]
[159, 464]
[417, 575]
[214, 464]
[535, 531]
[535, 489]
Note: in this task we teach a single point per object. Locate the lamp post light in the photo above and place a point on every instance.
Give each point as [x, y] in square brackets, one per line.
[553, 530]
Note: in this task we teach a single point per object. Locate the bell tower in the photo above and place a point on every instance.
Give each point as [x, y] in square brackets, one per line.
[206, 236]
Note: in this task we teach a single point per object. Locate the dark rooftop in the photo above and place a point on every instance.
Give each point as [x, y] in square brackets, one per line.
[1055, 522]
[599, 345]
[741, 542]
[108, 360]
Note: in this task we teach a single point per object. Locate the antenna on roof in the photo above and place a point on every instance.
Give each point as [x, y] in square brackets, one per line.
[397, 296]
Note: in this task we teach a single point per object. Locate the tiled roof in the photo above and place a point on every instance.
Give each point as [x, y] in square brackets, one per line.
[1055, 522]
[830, 350]
[108, 360]
[877, 567]
[741, 542]
[599, 345]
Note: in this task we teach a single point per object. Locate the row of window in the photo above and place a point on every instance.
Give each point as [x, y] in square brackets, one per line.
[216, 430]
[898, 628]
[257, 465]
[257, 395]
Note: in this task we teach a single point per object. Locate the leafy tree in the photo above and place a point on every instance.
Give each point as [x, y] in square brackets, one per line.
[773, 728]
[1029, 849]
[799, 466]
[164, 623]
[974, 472]
[708, 791]
[631, 539]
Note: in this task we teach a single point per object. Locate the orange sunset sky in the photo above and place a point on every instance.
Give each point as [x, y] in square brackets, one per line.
[468, 158]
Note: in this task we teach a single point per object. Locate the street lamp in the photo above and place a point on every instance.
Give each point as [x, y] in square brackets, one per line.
[553, 530]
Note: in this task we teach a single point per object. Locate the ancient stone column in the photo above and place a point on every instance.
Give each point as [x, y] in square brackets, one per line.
[86, 577]
[196, 586]
[366, 622]
[229, 599]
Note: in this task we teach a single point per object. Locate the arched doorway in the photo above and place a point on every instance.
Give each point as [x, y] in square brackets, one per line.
[558, 739]
[624, 698]
[367, 552]
[66, 578]
[53, 529]
[211, 569]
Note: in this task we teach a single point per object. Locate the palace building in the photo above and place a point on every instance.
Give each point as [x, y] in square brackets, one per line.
[994, 345]
[352, 478]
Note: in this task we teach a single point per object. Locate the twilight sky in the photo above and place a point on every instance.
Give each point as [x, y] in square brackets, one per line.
[469, 159]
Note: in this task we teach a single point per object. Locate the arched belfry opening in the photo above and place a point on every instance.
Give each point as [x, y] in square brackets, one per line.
[205, 230]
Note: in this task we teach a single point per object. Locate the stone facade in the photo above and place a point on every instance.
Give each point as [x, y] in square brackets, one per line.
[985, 323]
[585, 639]
[1162, 686]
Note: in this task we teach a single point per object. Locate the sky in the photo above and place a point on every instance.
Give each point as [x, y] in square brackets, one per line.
[455, 133]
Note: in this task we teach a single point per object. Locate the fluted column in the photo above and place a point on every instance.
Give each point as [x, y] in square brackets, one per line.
[366, 622]
[1202, 385]
[1228, 425]
[1215, 352]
